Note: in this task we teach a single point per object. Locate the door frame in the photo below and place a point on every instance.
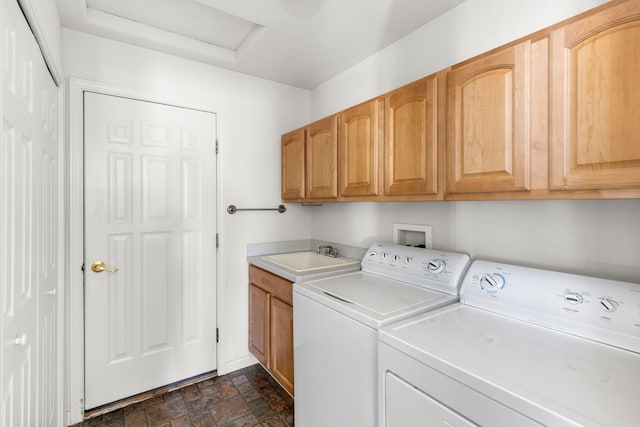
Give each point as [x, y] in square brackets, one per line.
[74, 324]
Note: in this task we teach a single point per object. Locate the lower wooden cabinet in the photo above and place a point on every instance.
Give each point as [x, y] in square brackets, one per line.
[281, 355]
[259, 328]
[271, 324]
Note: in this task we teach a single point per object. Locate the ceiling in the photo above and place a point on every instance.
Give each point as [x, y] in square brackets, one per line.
[298, 42]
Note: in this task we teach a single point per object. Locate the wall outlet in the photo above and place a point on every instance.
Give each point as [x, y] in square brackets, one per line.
[412, 235]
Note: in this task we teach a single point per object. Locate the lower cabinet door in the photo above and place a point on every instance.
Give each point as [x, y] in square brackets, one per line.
[282, 343]
[259, 336]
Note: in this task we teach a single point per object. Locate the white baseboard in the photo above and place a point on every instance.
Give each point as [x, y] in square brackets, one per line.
[235, 364]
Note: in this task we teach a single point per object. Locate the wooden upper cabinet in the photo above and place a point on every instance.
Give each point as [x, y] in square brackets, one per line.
[322, 159]
[556, 110]
[488, 133]
[358, 150]
[595, 101]
[293, 170]
[411, 139]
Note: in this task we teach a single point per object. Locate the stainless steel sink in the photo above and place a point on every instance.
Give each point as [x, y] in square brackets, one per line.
[308, 261]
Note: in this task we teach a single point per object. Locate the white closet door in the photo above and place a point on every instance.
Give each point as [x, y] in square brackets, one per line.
[150, 212]
[29, 232]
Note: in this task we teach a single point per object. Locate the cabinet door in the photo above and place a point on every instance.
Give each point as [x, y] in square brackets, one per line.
[595, 101]
[488, 112]
[322, 158]
[293, 158]
[293, 167]
[358, 150]
[259, 312]
[282, 343]
[411, 139]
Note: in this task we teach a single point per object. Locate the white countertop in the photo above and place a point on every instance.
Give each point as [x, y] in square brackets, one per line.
[257, 251]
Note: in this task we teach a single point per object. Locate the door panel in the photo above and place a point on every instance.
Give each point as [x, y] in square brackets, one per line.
[488, 118]
[149, 213]
[411, 139]
[259, 314]
[281, 358]
[358, 149]
[29, 232]
[405, 403]
[595, 101]
[293, 165]
[322, 158]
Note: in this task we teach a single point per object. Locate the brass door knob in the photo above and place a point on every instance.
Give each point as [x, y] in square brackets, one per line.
[100, 266]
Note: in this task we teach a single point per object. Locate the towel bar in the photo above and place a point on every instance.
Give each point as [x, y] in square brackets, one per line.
[233, 209]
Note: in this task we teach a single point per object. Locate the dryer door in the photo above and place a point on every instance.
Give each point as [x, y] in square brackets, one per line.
[406, 405]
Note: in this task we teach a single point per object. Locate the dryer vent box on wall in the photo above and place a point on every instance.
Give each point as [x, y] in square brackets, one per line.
[412, 235]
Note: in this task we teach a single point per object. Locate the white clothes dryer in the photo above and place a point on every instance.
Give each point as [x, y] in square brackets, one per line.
[524, 347]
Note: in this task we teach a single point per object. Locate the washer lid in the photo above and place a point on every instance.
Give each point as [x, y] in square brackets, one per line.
[382, 296]
[548, 375]
[371, 299]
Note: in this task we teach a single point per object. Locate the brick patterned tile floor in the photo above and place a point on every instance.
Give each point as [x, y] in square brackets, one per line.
[245, 398]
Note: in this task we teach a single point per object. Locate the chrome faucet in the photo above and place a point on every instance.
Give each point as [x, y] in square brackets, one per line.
[328, 250]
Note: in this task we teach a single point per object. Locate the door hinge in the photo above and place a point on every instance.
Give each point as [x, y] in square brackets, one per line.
[217, 335]
[217, 240]
[217, 146]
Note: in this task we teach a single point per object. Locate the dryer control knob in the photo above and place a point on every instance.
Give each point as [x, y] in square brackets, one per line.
[491, 282]
[608, 304]
[436, 266]
[573, 298]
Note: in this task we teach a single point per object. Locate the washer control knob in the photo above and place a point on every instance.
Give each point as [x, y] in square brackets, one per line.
[573, 298]
[395, 258]
[436, 266]
[608, 304]
[372, 254]
[492, 282]
[384, 255]
[407, 259]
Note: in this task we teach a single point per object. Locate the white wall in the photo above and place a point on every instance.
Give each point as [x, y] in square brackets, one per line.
[44, 20]
[598, 237]
[593, 237]
[252, 114]
[470, 29]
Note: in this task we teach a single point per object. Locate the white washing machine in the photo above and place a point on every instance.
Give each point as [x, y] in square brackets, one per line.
[524, 347]
[336, 322]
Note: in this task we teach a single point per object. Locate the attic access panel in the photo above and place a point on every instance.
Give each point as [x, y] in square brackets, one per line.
[188, 18]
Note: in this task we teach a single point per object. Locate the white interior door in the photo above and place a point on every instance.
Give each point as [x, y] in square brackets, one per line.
[150, 213]
[29, 232]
